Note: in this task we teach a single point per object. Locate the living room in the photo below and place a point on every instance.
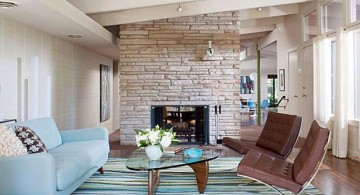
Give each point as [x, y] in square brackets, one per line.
[157, 56]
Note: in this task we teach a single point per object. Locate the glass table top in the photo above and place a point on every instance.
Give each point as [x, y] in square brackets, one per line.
[139, 161]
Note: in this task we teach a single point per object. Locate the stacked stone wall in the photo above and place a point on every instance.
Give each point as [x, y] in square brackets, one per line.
[161, 63]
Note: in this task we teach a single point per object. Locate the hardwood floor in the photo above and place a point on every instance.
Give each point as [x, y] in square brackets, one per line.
[336, 176]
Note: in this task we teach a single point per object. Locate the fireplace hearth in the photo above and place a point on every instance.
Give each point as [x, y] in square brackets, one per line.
[191, 123]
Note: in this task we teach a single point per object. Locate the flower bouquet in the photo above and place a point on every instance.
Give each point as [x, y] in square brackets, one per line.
[154, 140]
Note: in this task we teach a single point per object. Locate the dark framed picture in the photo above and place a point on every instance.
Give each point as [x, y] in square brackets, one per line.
[282, 79]
[104, 92]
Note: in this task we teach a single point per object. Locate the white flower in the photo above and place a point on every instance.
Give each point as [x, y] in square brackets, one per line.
[154, 137]
[140, 138]
[165, 141]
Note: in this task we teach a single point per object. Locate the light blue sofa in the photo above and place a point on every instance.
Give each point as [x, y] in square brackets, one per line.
[73, 156]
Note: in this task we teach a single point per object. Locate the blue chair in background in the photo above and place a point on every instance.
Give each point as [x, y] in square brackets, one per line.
[265, 106]
[252, 105]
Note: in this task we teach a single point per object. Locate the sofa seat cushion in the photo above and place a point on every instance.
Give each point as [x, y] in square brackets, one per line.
[74, 159]
[268, 169]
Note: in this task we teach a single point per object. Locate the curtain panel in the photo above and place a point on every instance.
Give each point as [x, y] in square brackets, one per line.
[322, 78]
[340, 134]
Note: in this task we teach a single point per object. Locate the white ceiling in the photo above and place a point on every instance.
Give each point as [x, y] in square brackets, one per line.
[88, 17]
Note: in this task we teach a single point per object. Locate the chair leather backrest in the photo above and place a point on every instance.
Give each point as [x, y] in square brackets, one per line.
[312, 152]
[280, 133]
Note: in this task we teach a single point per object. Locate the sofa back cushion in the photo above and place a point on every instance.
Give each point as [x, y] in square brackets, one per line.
[312, 152]
[45, 128]
[280, 133]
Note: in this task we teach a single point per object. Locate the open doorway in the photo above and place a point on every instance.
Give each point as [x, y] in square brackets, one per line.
[254, 91]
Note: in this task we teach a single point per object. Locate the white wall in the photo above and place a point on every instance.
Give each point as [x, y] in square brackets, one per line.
[289, 36]
[68, 87]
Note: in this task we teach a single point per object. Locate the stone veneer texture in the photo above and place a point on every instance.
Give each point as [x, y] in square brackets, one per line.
[161, 63]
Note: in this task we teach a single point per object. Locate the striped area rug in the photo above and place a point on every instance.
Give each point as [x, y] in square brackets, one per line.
[181, 180]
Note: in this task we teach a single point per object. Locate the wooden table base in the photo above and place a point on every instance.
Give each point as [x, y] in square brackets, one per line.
[201, 171]
[153, 181]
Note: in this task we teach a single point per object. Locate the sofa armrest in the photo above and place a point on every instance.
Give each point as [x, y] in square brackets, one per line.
[99, 133]
[28, 174]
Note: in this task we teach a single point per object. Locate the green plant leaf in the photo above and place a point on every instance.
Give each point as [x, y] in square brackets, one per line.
[139, 131]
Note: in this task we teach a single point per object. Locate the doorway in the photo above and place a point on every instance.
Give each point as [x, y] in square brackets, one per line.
[272, 89]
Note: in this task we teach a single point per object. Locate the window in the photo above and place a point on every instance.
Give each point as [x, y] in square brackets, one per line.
[310, 26]
[333, 74]
[354, 10]
[357, 73]
[332, 15]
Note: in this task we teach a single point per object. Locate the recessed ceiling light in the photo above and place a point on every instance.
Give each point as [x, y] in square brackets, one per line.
[7, 4]
[259, 9]
[74, 36]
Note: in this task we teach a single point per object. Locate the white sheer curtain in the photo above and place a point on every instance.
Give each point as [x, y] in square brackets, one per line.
[340, 134]
[322, 78]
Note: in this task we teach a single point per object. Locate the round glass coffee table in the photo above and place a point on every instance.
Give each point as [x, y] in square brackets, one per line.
[140, 162]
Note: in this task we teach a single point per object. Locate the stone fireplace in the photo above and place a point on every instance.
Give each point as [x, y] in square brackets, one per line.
[161, 63]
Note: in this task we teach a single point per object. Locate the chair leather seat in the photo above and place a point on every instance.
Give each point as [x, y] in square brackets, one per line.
[268, 169]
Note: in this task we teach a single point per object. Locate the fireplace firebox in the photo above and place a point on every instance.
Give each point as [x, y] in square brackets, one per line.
[191, 123]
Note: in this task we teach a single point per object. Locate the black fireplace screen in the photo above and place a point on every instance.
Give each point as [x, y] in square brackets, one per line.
[191, 123]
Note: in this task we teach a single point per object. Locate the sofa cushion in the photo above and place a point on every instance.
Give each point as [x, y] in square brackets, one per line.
[10, 145]
[70, 167]
[30, 140]
[45, 128]
[74, 159]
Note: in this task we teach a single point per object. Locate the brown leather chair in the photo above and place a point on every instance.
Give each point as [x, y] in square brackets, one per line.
[294, 177]
[277, 138]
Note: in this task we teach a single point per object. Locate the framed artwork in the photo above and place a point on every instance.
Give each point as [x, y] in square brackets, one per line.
[246, 85]
[104, 92]
[282, 79]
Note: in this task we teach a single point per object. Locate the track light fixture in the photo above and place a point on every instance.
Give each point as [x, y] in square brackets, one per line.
[179, 9]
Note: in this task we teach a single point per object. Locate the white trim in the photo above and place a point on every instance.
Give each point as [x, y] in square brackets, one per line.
[354, 122]
[303, 15]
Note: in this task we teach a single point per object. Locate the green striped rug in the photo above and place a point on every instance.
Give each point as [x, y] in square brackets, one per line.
[181, 180]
